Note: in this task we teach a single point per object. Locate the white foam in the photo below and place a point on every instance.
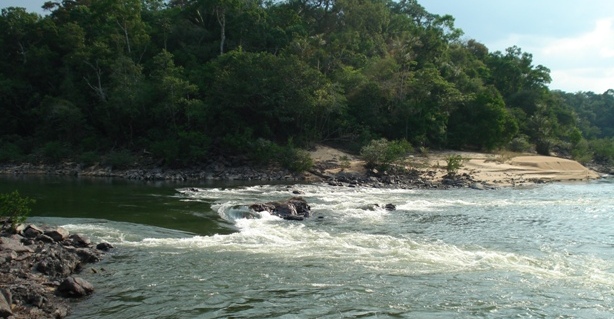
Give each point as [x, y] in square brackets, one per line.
[265, 234]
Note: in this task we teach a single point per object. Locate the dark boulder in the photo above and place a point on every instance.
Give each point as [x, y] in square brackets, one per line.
[33, 231]
[104, 246]
[294, 208]
[75, 287]
[88, 256]
[57, 262]
[80, 240]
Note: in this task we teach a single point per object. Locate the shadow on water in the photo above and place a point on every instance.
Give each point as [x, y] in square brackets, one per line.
[148, 203]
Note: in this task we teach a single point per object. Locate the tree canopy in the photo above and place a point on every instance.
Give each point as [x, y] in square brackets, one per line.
[183, 80]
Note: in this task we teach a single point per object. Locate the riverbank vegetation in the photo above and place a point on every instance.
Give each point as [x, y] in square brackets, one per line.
[14, 209]
[177, 83]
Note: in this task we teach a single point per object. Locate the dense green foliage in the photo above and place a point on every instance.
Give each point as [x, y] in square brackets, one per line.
[382, 153]
[15, 207]
[180, 81]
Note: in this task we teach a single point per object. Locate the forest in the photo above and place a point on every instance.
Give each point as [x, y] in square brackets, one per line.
[180, 82]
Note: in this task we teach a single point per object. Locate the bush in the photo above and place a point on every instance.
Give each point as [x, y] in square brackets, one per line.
[119, 159]
[55, 152]
[10, 152]
[295, 160]
[581, 152]
[89, 158]
[520, 144]
[237, 143]
[345, 161]
[166, 149]
[603, 150]
[543, 146]
[265, 152]
[194, 145]
[15, 207]
[454, 163]
[382, 153]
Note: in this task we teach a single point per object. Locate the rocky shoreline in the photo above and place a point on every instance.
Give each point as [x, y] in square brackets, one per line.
[215, 172]
[395, 178]
[39, 267]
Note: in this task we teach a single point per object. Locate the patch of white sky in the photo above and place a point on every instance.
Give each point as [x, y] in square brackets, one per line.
[573, 38]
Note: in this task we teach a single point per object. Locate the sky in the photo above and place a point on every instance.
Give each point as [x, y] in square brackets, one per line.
[573, 38]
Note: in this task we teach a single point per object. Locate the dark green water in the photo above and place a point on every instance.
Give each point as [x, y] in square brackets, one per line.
[153, 203]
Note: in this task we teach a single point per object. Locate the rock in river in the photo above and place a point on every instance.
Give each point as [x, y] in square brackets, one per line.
[295, 208]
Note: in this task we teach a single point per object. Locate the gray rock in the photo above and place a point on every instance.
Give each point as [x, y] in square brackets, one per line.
[88, 255]
[20, 228]
[44, 238]
[80, 240]
[75, 287]
[478, 186]
[57, 262]
[58, 234]
[15, 245]
[6, 300]
[32, 231]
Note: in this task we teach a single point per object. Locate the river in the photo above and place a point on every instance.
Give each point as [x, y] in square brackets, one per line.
[540, 252]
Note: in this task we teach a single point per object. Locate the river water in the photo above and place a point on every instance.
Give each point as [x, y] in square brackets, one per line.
[541, 252]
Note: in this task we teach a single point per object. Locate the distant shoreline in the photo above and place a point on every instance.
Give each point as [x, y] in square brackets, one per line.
[479, 170]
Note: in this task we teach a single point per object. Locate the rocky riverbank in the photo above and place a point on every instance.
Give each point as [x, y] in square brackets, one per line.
[332, 166]
[328, 172]
[215, 172]
[38, 270]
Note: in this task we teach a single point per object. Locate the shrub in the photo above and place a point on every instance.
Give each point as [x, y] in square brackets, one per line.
[166, 149]
[89, 158]
[119, 159]
[194, 146]
[603, 150]
[10, 152]
[55, 152]
[520, 144]
[543, 146]
[15, 207]
[265, 152]
[382, 153]
[454, 163]
[345, 161]
[581, 152]
[238, 142]
[295, 160]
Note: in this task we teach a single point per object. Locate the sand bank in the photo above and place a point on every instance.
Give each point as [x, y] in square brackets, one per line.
[499, 169]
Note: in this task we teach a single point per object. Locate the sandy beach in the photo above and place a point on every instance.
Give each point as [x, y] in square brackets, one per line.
[426, 170]
[500, 169]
